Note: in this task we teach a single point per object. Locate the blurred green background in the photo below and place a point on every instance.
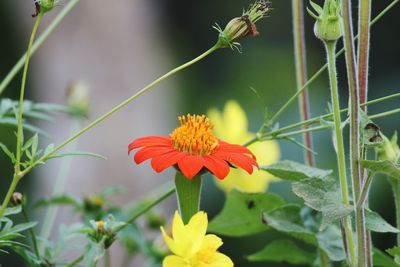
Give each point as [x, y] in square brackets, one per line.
[266, 65]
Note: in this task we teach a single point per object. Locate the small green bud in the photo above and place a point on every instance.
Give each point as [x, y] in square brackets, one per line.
[242, 26]
[43, 6]
[389, 150]
[78, 99]
[328, 25]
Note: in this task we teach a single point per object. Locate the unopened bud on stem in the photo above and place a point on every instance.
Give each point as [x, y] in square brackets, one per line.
[328, 26]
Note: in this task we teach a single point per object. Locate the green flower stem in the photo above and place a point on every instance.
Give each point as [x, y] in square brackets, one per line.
[150, 205]
[40, 40]
[323, 258]
[76, 261]
[301, 73]
[107, 258]
[323, 68]
[395, 184]
[31, 232]
[330, 50]
[319, 128]
[10, 191]
[22, 93]
[365, 190]
[188, 194]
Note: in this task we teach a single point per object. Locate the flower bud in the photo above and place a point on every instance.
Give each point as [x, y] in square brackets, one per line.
[328, 25]
[101, 226]
[389, 150]
[243, 26]
[78, 99]
[17, 198]
[43, 6]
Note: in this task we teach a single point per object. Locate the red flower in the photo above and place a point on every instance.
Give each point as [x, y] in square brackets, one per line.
[192, 147]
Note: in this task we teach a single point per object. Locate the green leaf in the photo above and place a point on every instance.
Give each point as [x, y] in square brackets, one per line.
[382, 260]
[7, 152]
[330, 241]
[323, 195]
[293, 171]
[241, 215]
[77, 153]
[23, 226]
[316, 7]
[12, 211]
[385, 167]
[287, 219]
[395, 252]
[374, 222]
[61, 200]
[279, 250]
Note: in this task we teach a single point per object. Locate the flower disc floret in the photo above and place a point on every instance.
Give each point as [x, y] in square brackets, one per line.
[195, 135]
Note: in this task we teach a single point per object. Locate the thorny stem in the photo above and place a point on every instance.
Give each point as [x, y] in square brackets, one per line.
[301, 73]
[330, 50]
[22, 93]
[40, 40]
[354, 103]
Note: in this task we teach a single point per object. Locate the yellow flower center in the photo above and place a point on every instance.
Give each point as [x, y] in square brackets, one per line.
[195, 135]
[101, 225]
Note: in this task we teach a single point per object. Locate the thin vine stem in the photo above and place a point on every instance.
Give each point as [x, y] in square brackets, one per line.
[76, 261]
[22, 93]
[31, 232]
[40, 40]
[340, 152]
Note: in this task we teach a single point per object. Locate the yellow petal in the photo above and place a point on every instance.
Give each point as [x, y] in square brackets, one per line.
[211, 242]
[235, 120]
[266, 152]
[196, 230]
[178, 228]
[171, 244]
[221, 260]
[174, 261]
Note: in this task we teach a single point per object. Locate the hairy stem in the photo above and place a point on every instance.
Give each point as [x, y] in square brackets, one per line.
[354, 103]
[340, 152]
[32, 233]
[301, 73]
[395, 184]
[43, 37]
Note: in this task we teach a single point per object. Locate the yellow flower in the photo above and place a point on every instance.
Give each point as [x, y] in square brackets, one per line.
[191, 246]
[231, 125]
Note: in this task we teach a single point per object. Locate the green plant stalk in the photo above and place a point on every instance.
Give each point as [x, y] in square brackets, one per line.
[8, 196]
[107, 258]
[22, 93]
[322, 127]
[76, 261]
[365, 190]
[354, 106]
[324, 67]
[51, 213]
[32, 233]
[188, 195]
[301, 73]
[395, 184]
[40, 40]
[330, 50]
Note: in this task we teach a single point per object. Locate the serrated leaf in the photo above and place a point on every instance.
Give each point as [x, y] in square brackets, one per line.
[77, 153]
[382, 260]
[287, 219]
[293, 171]
[241, 215]
[330, 241]
[374, 222]
[279, 250]
[323, 195]
[385, 167]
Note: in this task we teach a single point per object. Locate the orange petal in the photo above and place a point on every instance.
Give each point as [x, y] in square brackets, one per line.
[150, 152]
[217, 166]
[234, 148]
[166, 160]
[191, 165]
[240, 160]
[149, 141]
